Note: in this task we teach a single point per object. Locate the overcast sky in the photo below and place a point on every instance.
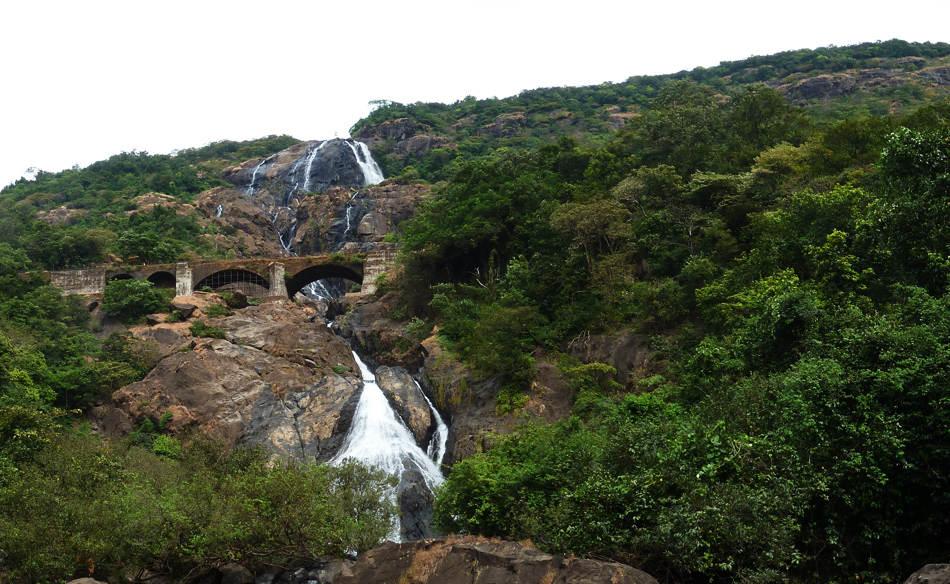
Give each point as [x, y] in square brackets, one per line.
[83, 80]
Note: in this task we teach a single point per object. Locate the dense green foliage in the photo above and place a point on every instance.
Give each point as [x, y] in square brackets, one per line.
[81, 507]
[789, 266]
[131, 299]
[47, 354]
[103, 216]
[794, 283]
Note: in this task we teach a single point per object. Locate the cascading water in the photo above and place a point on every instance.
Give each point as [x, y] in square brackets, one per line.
[250, 187]
[372, 174]
[313, 154]
[219, 210]
[378, 437]
[440, 438]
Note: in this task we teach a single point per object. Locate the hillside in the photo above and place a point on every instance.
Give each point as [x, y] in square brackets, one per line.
[697, 323]
[831, 84]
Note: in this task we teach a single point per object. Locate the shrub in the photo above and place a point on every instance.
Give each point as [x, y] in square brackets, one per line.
[418, 328]
[201, 329]
[132, 299]
[217, 310]
[85, 507]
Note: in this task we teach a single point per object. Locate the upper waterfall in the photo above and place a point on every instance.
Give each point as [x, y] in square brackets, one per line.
[372, 174]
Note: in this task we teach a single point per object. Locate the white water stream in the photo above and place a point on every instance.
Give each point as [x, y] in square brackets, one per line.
[372, 174]
[379, 437]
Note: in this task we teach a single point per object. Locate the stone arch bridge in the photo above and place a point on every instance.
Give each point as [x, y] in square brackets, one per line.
[268, 278]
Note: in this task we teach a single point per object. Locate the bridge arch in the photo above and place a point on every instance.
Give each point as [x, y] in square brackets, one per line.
[320, 272]
[248, 282]
[162, 279]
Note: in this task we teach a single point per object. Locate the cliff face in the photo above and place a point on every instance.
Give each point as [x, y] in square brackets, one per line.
[279, 378]
[307, 199]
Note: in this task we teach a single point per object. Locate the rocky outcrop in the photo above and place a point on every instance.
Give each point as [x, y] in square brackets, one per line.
[470, 401]
[406, 137]
[476, 560]
[273, 380]
[244, 228]
[415, 506]
[408, 402]
[383, 341]
[505, 126]
[626, 352]
[323, 220]
[802, 89]
[931, 574]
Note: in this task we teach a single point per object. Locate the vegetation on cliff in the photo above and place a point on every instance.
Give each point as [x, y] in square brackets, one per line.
[793, 281]
[76, 217]
[786, 254]
[831, 83]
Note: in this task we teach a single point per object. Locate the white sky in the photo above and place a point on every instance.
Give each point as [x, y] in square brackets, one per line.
[81, 80]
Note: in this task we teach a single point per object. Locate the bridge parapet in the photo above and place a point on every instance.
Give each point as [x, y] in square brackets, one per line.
[273, 277]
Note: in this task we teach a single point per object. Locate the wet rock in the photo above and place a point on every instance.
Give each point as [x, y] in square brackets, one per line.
[415, 505]
[470, 401]
[476, 560]
[235, 574]
[931, 574]
[408, 402]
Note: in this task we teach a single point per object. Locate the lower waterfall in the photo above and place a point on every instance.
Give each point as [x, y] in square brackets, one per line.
[378, 437]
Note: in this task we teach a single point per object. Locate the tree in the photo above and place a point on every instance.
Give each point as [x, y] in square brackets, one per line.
[130, 299]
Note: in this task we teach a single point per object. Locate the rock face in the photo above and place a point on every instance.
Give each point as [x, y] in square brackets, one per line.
[314, 166]
[279, 208]
[474, 560]
[470, 401]
[931, 574]
[384, 340]
[626, 352]
[407, 401]
[407, 136]
[244, 228]
[270, 381]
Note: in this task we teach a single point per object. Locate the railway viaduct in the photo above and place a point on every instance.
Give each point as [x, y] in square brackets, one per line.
[267, 278]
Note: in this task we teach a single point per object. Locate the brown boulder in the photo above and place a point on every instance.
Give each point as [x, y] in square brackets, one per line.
[931, 574]
[407, 401]
[477, 560]
[270, 381]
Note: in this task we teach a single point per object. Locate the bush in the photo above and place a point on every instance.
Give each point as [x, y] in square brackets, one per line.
[201, 329]
[217, 310]
[132, 299]
[85, 508]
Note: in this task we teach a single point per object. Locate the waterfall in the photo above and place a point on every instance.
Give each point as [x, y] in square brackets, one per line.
[372, 174]
[379, 437]
[313, 154]
[218, 211]
[250, 187]
[440, 438]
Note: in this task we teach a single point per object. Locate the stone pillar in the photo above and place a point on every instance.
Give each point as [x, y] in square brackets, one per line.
[278, 288]
[183, 281]
[378, 261]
